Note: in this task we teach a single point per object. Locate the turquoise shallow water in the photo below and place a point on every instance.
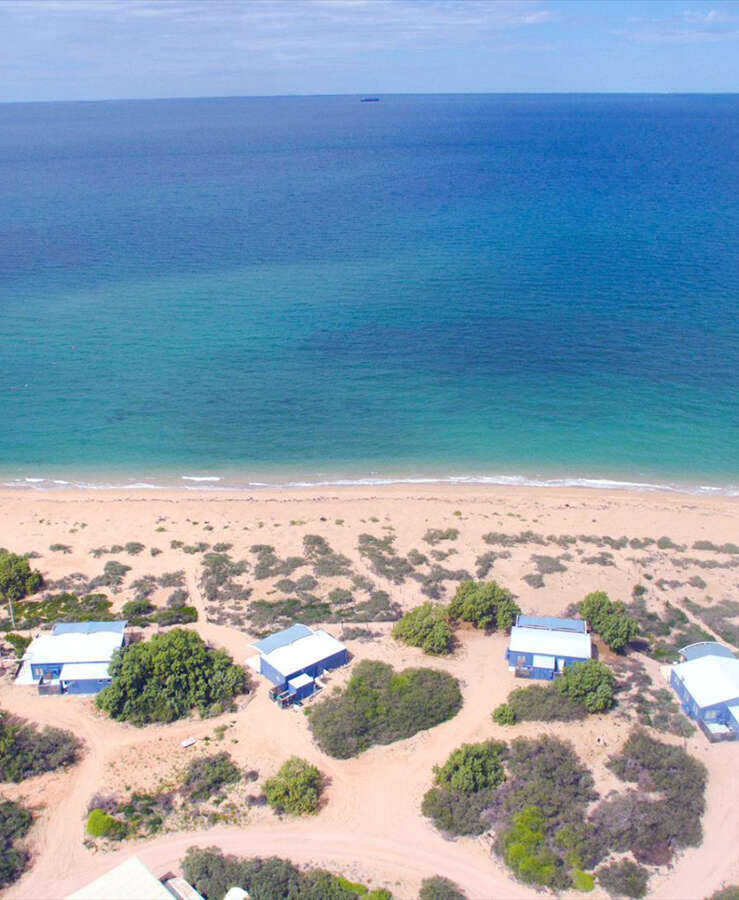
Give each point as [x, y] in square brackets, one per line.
[314, 289]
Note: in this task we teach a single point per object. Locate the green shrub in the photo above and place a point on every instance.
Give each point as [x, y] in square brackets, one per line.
[18, 642]
[610, 620]
[624, 879]
[439, 888]
[383, 559]
[524, 848]
[15, 821]
[212, 874]
[134, 609]
[164, 678]
[379, 706]
[582, 881]
[590, 683]
[463, 787]
[295, 789]
[473, 767]
[206, 775]
[25, 751]
[485, 604]
[544, 703]
[504, 714]
[175, 615]
[426, 627]
[17, 578]
[100, 824]
[730, 892]
[62, 608]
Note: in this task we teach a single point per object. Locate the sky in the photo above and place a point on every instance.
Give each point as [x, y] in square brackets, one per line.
[114, 49]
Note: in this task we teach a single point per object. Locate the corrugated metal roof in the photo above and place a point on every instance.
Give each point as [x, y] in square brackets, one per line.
[552, 623]
[300, 681]
[282, 638]
[307, 651]
[706, 648]
[710, 679]
[130, 880]
[73, 648]
[550, 643]
[89, 627]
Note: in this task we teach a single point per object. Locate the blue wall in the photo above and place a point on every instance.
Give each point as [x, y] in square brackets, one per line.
[545, 674]
[716, 712]
[86, 685]
[277, 678]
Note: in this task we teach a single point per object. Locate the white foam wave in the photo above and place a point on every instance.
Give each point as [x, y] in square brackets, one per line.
[223, 483]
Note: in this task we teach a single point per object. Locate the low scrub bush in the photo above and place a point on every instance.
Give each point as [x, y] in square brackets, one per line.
[439, 888]
[435, 536]
[539, 703]
[268, 564]
[164, 678]
[383, 559]
[295, 789]
[484, 604]
[212, 874]
[463, 787]
[624, 879]
[524, 848]
[62, 608]
[26, 751]
[15, 820]
[379, 706]
[206, 775]
[425, 626]
[485, 561]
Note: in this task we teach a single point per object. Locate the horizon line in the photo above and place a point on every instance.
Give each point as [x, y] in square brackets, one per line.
[380, 95]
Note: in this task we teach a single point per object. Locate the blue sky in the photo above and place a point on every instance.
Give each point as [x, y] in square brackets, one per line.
[96, 49]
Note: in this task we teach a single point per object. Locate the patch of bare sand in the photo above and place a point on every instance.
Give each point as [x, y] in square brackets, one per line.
[371, 827]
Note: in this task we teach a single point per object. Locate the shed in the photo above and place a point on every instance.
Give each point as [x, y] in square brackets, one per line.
[541, 652]
[292, 659]
[708, 689]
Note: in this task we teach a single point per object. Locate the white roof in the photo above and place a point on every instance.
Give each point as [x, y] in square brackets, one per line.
[84, 671]
[74, 647]
[130, 880]
[550, 643]
[300, 680]
[304, 652]
[710, 679]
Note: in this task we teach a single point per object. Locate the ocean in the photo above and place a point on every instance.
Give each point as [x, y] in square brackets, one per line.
[513, 288]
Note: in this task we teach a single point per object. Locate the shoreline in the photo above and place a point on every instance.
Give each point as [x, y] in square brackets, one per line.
[224, 484]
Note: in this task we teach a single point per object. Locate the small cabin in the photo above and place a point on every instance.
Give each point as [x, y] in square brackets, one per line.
[707, 685]
[542, 646]
[73, 659]
[294, 658]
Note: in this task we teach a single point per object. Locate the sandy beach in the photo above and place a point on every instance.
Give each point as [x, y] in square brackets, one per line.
[371, 828]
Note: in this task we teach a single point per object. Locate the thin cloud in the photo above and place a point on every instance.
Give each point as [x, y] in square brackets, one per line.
[690, 27]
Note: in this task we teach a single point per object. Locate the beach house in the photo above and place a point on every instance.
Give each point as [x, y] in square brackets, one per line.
[542, 646]
[707, 685]
[294, 658]
[73, 659]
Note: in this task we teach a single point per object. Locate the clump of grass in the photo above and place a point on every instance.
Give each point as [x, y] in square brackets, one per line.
[534, 580]
[512, 540]
[666, 543]
[133, 548]
[325, 561]
[547, 565]
[383, 559]
[604, 558]
[697, 582]
[435, 536]
[487, 560]
[716, 548]
[60, 548]
[268, 564]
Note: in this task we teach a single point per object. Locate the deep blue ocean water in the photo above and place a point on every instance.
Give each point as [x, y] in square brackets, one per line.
[307, 289]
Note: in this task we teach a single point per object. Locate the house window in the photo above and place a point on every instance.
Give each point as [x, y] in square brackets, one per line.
[520, 662]
[710, 716]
